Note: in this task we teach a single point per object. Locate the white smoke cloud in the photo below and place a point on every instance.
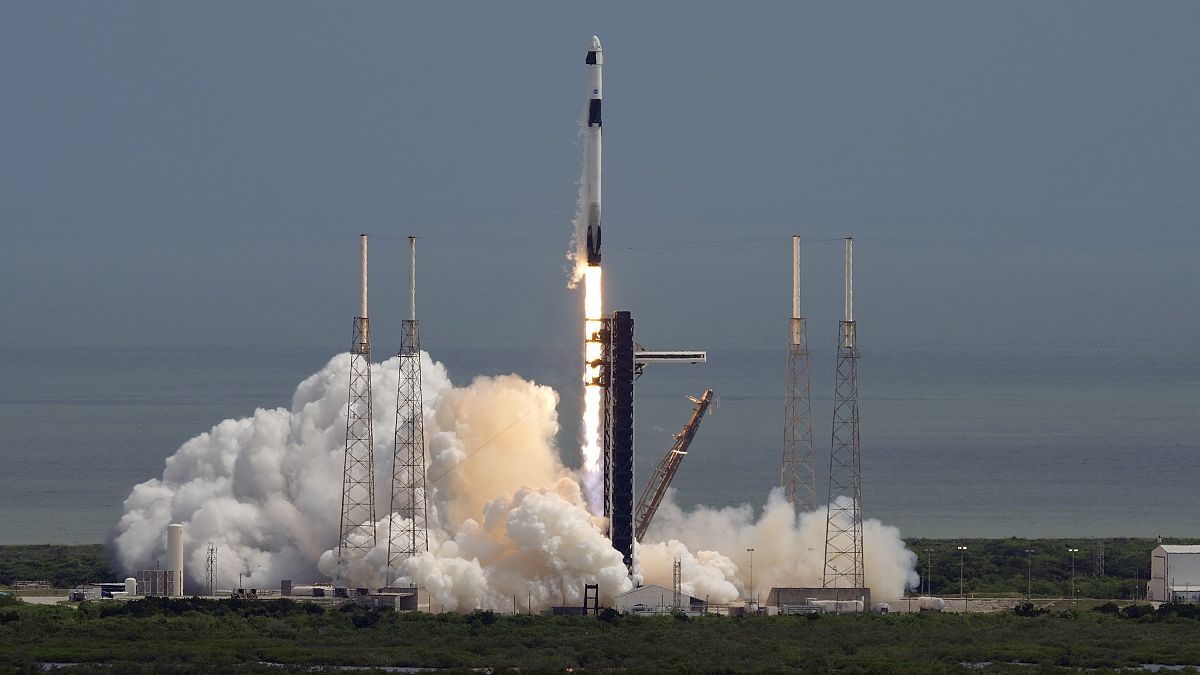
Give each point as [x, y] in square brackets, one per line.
[507, 521]
[788, 548]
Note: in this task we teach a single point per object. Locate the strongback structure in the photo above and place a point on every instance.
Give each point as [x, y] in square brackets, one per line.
[618, 436]
[357, 532]
[409, 536]
[622, 363]
[797, 472]
[664, 472]
[843, 525]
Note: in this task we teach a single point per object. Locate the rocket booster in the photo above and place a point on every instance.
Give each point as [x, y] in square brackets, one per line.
[591, 148]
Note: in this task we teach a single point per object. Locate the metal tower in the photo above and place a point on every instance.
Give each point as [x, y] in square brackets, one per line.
[843, 525]
[210, 566]
[357, 533]
[661, 478]
[1098, 562]
[798, 475]
[410, 536]
[677, 585]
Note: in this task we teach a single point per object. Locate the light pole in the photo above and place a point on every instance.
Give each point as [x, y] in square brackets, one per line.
[1029, 587]
[962, 550]
[751, 552]
[1073, 552]
[928, 571]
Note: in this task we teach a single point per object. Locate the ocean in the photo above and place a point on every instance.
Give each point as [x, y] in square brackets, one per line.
[1071, 442]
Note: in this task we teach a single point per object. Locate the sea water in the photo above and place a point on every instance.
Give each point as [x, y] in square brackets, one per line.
[1070, 442]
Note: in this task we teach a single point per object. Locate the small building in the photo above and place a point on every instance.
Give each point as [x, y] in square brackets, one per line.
[1174, 574]
[651, 599]
[786, 598]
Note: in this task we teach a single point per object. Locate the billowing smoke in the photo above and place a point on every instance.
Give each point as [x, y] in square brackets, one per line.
[788, 550]
[508, 522]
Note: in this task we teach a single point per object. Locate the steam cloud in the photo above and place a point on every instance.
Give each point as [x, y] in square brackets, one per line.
[507, 520]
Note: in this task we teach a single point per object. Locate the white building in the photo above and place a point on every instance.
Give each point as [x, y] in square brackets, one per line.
[1174, 574]
[655, 599]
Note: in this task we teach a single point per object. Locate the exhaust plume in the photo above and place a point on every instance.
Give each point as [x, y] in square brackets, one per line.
[507, 519]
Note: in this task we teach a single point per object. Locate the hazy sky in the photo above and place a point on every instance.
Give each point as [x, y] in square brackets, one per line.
[1015, 173]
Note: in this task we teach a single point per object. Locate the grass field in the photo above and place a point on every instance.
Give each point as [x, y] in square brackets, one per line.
[161, 635]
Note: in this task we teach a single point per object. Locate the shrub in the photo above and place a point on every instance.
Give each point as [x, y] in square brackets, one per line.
[1108, 608]
[1027, 609]
[1136, 611]
[485, 617]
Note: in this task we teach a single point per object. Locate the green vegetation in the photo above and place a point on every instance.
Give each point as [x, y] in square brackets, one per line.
[160, 635]
[63, 566]
[1000, 567]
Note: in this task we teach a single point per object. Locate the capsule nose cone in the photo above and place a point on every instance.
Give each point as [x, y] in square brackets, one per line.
[595, 47]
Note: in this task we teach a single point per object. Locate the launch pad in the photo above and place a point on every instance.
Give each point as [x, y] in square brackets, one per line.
[621, 363]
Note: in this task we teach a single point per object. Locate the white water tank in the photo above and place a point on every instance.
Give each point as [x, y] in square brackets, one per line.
[930, 604]
[130, 586]
[175, 556]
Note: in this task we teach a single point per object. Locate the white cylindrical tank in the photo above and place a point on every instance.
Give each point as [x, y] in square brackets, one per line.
[175, 555]
[930, 604]
[131, 586]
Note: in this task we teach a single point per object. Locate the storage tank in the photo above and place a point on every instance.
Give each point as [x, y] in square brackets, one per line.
[175, 556]
[926, 603]
[130, 586]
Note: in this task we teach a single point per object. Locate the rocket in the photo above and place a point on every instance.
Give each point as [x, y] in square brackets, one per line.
[591, 148]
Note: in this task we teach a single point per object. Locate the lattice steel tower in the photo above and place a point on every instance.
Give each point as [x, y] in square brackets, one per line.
[357, 532]
[410, 536]
[797, 475]
[210, 567]
[843, 524]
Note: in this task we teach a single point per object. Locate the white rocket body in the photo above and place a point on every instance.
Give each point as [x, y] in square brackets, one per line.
[591, 148]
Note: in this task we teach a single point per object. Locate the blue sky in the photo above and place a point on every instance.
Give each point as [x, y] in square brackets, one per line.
[1018, 173]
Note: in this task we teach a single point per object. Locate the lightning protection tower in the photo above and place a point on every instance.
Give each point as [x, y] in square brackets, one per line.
[843, 525]
[409, 536]
[357, 532]
[210, 566]
[797, 474]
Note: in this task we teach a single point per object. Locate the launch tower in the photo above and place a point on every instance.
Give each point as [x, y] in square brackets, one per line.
[357, 533]
[797, 474]
[410, 536]
[843, 525]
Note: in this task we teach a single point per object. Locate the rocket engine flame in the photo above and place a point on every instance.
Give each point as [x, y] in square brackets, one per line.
[593, 399]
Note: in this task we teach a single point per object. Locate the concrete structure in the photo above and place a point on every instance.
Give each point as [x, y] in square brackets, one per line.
[655, 599]
[1174, 574]
[175, 558]
[789, 597]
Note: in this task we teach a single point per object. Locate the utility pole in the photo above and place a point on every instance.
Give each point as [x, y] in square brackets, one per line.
[928, 571]
[1073, 551]
[1029, 586]
[962, 550]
